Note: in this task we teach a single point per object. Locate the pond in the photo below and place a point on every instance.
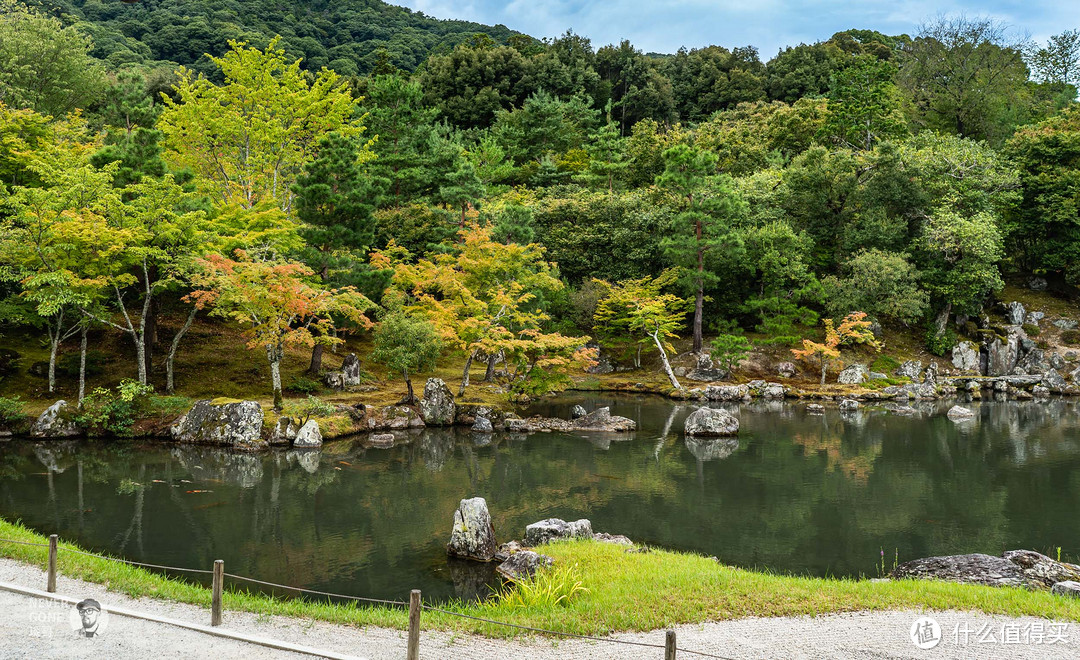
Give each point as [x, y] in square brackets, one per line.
[796, 493]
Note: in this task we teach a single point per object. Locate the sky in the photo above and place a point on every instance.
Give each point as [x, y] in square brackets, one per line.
[664, 25]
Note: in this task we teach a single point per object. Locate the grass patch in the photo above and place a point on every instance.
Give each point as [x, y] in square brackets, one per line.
[618, 591]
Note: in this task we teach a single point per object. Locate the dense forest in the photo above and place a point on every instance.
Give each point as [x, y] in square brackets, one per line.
[317, 168]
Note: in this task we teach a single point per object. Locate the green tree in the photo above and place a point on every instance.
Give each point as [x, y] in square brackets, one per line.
[606, 158]
[883, 284]
[708, 209]
[406, 345]
[1058, 62]
[779, 258]
[864, 104]
[395, 112]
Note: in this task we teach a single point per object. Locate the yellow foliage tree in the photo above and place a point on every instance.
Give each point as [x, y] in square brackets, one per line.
[853, 329]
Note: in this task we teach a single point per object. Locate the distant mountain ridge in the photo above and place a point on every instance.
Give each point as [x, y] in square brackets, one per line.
[353, 37]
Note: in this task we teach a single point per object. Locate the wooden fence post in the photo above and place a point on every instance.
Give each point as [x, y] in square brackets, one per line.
[414, 625]
[669, 645]
[215, 594]
[51, 586]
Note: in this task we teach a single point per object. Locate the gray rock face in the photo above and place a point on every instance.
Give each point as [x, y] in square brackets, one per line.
[53, 423]
[309, 435]
[910, 369]
[437, 406]
[473, 536]
[555, 529]
[284, 432]
[577, 412]
[710, 422]
[390, 418]
[347, 376]
[1033, 318]
[516, 425]
[1056, 361]
[483, 425]
[727, 393]
[381, 440]
[849, 405]
[856, 374]
[766, 390]
[1002, 356]
[236, 424]
[958, 413]
[616, 539]
[1033, 362]
[1053, 380]
[1015, 313]
[1040, 568]
[965, 357]
[711, 449]
[1037, 283]
[523, 564]
[1068, 588]
[705, 371]
[786, 369]
[968, 569]
[1040, 392]
[1066, 324]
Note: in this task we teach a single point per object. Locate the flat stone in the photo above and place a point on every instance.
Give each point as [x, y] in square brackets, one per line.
[554, 529]
[523, 564]
[1069, 588]
[381, 440]
[815, 409]
[967, 569]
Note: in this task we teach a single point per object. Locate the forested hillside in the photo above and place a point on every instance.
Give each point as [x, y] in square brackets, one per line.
[450, 189]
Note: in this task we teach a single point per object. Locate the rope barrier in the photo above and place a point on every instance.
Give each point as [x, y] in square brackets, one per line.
[396, 603]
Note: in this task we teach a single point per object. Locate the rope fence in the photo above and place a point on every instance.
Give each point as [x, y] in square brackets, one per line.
[415, 605]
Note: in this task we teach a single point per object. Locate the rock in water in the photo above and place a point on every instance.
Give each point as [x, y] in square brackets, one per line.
[392, 417]
[577, 412]
[482, 425]
[437, 407]
[856, 374]
[54, 423]
[522, 564]
[554, 529]
[236, 424]
[1015, 313]
[815, 409]
[309, 435]
[710, 422]
[959, 414]
[1069, 588]
[965, 357]
[849, 405]
[969, 569]
[473, 536]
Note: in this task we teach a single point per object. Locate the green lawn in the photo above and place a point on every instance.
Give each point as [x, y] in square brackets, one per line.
[623, 592]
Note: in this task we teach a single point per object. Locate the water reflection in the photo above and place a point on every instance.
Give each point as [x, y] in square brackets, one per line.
[818, 494]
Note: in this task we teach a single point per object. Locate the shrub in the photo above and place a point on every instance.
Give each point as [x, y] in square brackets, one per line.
[12, 412]
[1031, 329]
[310, 407]
[68, 364]
[113, 412]
[729, 350]
[941, 344]
[1071, 337]
[302, 385]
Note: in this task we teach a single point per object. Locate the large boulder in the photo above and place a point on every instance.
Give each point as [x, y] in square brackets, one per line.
[348, 376]
[965, 357]
[849, 405]
[437, 406]
[1015, 313]
[55, 423]
[523, 564]
[910, 369]
[959, 414]
[727, 393]
[710, 422]
[1001, 356]
[555, 529]
[1033, 362]
[856, 374]
[225, 423]
[389, 418]
[601, 419]
[786, 369]
[473, 536]
[308, 436]
[577, 412]
[968, 569]
[483, 425]
[1053, 380]
[1040, 568]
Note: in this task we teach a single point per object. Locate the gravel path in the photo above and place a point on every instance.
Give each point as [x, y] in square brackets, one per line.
[33, 628]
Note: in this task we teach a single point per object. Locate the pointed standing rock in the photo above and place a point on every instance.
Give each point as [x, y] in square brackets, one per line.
[473, 536]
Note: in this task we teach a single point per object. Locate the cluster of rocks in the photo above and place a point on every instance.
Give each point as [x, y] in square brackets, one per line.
[473, 537]
[1015, 568]
[600, 419]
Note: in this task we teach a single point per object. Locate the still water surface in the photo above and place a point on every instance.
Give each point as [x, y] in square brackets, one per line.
[818, 495]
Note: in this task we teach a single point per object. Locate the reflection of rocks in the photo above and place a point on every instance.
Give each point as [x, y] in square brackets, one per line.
[381, 440]
[236, 424]
[1015, 568]
[472, 536]
[554, 529]
[472, 579]
[436, 447]
[55, 423]
[706, 449]
[523, 564]
[710, 422]
[209, 464]
[437, 407]
[815, 409]
[308, 459]
[49, 455]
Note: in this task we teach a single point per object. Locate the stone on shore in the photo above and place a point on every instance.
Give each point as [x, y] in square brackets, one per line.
[577, 412]
[523, 564]
[910, 369]
[390, 418]
[1038, 567]
[347, 376]
[965, 357]
[225, 423]
[709, 422]
[967, 569]
[437, 406]
[727, 393]
[786, 369]
[1069, 588]
[54, 423]
[473, 536]
[308, 436]
[959, 414]
[555, 529]
[856, 374]
[284, 432]
[483, 425]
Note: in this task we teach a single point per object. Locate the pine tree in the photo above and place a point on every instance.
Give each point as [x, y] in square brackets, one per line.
[606, 157]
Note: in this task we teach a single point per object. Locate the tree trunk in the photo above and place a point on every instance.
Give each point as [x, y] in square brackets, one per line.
[663, 358]
[150, 333]
[273, 355]
[489, 373]
[411, 397]
[637, 357]
[316, 359]
[82, 365]
[465, 374]
[823, 364]
[172, 349]
[943, 320]
[54, 340]
[699, 306]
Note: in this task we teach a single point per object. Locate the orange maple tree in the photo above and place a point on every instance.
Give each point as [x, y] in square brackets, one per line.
[853, 329]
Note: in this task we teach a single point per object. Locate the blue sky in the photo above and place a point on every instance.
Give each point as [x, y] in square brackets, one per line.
[665, 25]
